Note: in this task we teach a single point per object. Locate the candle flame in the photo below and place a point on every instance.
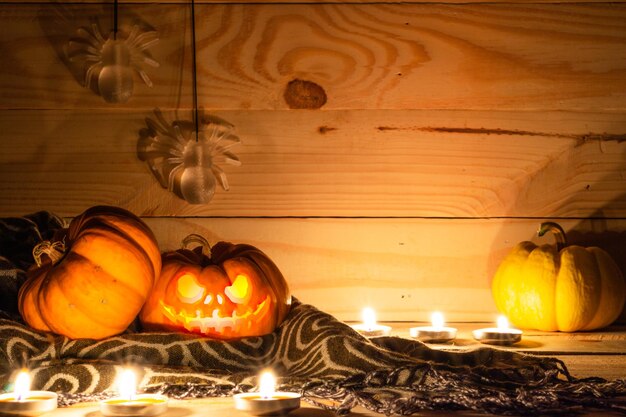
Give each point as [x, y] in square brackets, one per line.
[22, 385]
[503, 323]
[267, 385]
[436, 318]
[127, 384]
[369, 318]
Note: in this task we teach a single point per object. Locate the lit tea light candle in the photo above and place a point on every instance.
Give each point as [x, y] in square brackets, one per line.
[501, 335]
[436, 333]
[267, 401]
[24, 402]
[369, 327]
[131, 404]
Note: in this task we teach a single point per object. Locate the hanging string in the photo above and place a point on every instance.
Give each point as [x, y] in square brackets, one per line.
[114, 19]
[193, 69]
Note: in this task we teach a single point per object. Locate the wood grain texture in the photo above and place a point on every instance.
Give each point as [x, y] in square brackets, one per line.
[404, 268]
[364, 56]
[443, 132]
[333, 164]
[609, 342]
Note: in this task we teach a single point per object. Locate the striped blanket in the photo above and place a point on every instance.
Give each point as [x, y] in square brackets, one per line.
[312, 353]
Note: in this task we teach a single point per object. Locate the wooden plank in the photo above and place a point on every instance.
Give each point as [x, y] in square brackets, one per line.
[330, 164]
[363, 56]
[609, 342]
[605, 366]
[404, 268]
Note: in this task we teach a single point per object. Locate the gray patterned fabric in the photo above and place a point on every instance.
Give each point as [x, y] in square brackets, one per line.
[325, 360]
[330, 364]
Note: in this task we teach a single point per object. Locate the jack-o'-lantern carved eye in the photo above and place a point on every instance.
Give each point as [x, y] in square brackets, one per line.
[188, 289]
[239, 290]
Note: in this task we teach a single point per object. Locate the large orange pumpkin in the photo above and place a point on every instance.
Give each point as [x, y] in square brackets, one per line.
[233, 291]
[98, 275]
[565, 288]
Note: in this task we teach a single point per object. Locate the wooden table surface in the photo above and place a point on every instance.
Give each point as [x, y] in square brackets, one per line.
[601, 353]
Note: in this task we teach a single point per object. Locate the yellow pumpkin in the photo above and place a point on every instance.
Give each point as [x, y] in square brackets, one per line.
[559, 287]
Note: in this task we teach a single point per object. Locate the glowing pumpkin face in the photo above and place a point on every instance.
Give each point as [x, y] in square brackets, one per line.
[236, 292]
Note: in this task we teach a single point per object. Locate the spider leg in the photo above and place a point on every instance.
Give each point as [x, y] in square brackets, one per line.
[169, 144]
[171, 130]
[157, 161]
[224, 160]
[133, 34]
[161, 124]
[139, 58]
[96, 33]
[88, 37]
[179, 135]
[209, 118]
[143, 40]
[165, 148]
[81, 53]
[220, 175]
[93, 58]
[174, 161]
[221, 147]
[89, 74]
[172, 176]
[147, 44]
[144, 77]
[214, 139]
[159, 115]
[162, 129]
[228, 158]
[85, 49]
[234, 140]
[82, 44]
[81, 48]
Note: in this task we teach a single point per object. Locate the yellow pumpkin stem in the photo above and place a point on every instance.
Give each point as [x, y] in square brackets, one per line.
[195, 238]
[54, 251]
[557, 230]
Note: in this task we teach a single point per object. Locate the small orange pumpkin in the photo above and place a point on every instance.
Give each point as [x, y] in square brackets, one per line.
[98, 276]
[234, 291]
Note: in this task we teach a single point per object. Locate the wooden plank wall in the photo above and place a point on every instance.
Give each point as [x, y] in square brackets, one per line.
[392, 152]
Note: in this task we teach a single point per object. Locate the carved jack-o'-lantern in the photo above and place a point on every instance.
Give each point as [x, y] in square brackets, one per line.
[235, 291]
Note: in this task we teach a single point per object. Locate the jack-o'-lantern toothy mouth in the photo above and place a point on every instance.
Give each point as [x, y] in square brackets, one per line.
[216, 324]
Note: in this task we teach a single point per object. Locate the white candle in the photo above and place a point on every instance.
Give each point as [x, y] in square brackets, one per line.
[24, 402]
[369, 327]
[267, 401]
[437, 332]
[501, 335]
[129, 403]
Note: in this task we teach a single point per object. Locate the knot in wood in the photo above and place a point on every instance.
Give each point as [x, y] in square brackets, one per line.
[302, 94]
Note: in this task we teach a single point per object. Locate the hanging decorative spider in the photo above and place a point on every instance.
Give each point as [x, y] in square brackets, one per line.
[186, 166]
[112, 60]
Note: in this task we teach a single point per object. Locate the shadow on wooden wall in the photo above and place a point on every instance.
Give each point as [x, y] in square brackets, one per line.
[613, 242]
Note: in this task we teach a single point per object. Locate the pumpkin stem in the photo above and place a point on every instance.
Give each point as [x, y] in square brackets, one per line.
[195, 238]
[559, 233]
[54, 251]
